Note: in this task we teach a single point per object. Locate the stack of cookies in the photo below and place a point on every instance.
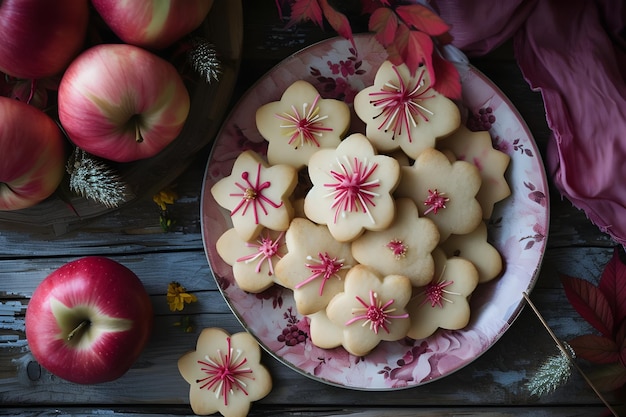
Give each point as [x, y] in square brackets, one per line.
[380, 234]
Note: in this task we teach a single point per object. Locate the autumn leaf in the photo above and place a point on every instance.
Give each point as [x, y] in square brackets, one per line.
[396, 50]
[305, 10]
[384, 23]
[423, 19]
[448, 81]
[338, 21]
[419, 50]
[590, 303]
[613, 285]
[596, 349]
[370, 6]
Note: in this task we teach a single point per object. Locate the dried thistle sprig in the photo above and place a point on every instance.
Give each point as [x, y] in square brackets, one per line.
[204, 59]
[553, 372]
[92, 178]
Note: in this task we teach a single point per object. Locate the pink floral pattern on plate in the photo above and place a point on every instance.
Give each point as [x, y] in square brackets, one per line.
[518, 229]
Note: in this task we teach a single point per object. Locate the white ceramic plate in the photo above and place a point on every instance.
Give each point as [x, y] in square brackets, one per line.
[518, 229]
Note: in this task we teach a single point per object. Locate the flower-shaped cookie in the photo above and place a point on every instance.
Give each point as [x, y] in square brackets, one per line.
[475, 248]
[257, 195]
[404, 248]
[443, 191]
[253, 261]
[403, 111]
[371, 309]
[477, 148]
[300, 124]
[314, 266]
[443, 302]
[352, 188]
[224, 373]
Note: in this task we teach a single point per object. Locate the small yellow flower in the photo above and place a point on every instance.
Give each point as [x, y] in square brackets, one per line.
[164, 197]
[177, 296]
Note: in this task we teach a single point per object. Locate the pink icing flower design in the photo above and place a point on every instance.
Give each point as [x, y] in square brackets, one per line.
[353, 189]
[400, 104]
[436, 293]
[375, 313]
[267, 249]
[225, 373]
[324, 267]
[252, 195]
[435, 201]
[304, 127]
[398, 248]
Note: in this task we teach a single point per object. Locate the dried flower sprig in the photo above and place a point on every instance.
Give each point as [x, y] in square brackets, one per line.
[94, 179]
[167, 195]
[554, 372]
[204, 59]
[177, 296]
[565, 352]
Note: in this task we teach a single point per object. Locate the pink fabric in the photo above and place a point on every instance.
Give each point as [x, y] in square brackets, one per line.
[574, 52]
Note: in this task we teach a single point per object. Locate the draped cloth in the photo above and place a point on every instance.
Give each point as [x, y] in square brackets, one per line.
[574, 53]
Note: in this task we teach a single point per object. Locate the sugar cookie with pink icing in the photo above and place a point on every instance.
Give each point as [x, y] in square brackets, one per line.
[323, 332]
[315, 265]
[404, 248]
[404, 111]
[443, 191]
[257, 195]
[254, 261]
[371, 309]
[443, 303]
[300, 124]
[477, 148]
[352, 188]
[224, 373]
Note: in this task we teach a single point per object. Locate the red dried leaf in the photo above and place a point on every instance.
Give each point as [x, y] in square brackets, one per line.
[448, 81]
[590, 303]
[613, 286]
[419, 50]
[304, 10]
[396, 50]
[370, 6]
[596, 349]
[422, 19]
[384, 23]
[337, 21]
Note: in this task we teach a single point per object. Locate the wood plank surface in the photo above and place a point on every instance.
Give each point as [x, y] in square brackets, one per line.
[492, 385]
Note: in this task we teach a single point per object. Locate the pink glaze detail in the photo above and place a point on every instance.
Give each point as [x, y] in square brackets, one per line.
[397, 247]
[306, 126]
[266, 250]
[436, 201]
[435, 293]
[400, 106]
[252, 195]
[323, 267]
[225, 373]
[353, 189]
[375, 313]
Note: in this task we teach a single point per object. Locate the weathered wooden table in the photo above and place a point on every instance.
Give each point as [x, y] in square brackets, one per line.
[494, 384]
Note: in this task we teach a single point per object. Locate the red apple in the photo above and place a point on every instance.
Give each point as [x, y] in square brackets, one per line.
[40, 38]
[32, 155]
[89, 320]
[152, 24]
[121, 102]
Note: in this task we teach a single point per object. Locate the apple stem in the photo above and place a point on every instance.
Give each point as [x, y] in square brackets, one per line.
[77, 329]
[138, 136]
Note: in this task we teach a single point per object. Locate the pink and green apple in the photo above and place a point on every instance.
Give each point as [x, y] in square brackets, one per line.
[32, 155]
[89, 320]
[152, 24]
[40, 38]
[121, 102]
